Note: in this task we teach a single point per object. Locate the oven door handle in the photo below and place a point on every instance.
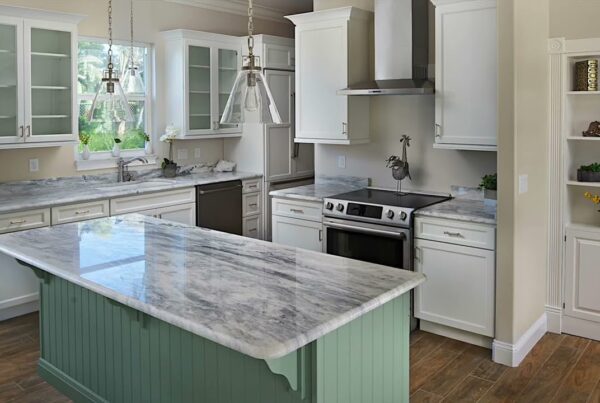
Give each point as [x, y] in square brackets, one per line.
[362, 230]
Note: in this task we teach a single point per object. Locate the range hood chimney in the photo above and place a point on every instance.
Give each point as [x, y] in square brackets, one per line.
[401, 50]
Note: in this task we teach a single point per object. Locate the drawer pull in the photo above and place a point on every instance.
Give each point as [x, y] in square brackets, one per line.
[17, 222]
[79, 212]
[418, 254]
[252, 186]
[253, 205]
[454, 234]
[297, 211]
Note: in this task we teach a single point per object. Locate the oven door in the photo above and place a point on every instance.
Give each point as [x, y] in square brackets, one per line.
[389, 246]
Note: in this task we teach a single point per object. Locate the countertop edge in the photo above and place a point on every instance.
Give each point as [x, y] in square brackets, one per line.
[456, 217]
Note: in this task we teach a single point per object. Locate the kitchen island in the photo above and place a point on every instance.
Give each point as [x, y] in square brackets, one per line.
[139, 309]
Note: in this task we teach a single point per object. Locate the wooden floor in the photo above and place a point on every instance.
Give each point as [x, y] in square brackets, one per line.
[560, 369]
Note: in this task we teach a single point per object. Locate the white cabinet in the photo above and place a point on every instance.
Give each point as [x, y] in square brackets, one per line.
[297, 223]
[80, 212]
[332, 52]
[181, 213]
[252, 210]
[24, 220]
[209, 64]
[175, 205]
[38, 78]
[460, 289]
[466, 74]
[582, 281]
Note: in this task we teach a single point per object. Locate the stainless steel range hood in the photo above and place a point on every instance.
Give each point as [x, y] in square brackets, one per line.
[401, 50]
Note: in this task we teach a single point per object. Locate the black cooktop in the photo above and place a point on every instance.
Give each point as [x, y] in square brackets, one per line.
[391, 198]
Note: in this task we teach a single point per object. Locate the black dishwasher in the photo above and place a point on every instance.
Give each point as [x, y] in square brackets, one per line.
[219, 207]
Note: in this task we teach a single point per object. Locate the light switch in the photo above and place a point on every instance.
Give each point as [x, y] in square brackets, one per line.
[341, 161]
[34, 165]
[182, 154]
[523, 184]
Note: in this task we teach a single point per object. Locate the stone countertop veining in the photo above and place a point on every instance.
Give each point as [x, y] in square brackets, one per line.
[324, 186]
[467, 205]
[258, 298]
[27, 195]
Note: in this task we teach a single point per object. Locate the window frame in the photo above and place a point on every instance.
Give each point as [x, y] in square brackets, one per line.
[104, 159]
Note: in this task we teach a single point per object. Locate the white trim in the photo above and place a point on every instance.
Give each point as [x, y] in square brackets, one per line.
[581, 327]
[456, 334]
[236, 7]
[513, 354]
[107, 161]
[554, 316]
[18, 306]
[39, 14]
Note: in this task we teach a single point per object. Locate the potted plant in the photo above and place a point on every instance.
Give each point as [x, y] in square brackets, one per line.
[593, 198]
[489, 185]
[147, 144]
[589, 173]
[169, 166]
[116, 151]
[84, 139]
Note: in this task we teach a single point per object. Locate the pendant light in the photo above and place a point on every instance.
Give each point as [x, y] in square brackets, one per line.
[132, 80]
[110, 102]
[250, 98]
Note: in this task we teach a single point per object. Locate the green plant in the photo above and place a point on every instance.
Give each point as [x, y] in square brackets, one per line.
[145, 136]
[84, 139]
[595, 167]
[489, 182]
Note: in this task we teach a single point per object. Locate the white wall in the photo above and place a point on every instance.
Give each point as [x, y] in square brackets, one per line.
[391, 117]
[151, 17]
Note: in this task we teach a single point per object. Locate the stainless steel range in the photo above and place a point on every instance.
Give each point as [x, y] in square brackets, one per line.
[374, 225]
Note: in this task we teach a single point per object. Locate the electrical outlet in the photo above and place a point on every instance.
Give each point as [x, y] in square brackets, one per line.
[182, 154]
[34, 165]
[197, 153]
[523, 184]
[341, 161]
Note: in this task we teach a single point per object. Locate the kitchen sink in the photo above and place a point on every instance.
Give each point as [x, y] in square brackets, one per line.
[135, 185]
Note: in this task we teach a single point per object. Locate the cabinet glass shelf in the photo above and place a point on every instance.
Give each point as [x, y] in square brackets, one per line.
[199, 66]
[581, 138]
[584, 184]
[57, 55]
[49, 87]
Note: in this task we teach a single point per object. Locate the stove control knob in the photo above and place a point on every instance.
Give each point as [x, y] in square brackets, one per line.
[389, 214]
[340, 207]
[403, 216]
[329, 206]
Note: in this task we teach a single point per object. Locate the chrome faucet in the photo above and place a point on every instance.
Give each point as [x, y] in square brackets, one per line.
[123, 174]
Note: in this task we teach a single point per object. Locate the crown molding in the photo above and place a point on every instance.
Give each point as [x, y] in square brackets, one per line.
[237, 7]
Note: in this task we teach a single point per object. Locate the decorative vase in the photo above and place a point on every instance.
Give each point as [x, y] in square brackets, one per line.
[85, 153]
[147, 148]
[490, 197]
[587, 176]
[170, 170]
[116, 151]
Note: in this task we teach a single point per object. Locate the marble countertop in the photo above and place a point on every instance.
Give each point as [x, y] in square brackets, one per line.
[468, 205]
[322, 188]
[27, 195]
[258, 298]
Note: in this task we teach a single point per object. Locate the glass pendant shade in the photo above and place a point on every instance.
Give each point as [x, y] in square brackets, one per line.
[250, 100]
[110, 103]
[132, 81]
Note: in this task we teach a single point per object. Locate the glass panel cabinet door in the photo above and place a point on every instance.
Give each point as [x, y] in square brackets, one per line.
[199, 89]
[11, 129]
[51, 79]
[228, 70]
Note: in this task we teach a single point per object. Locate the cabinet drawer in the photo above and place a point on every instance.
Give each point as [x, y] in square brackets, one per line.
[80, 212]
[252, 227]
[298, 209]
[251, 204]
[251, 186]
[24, 220]
[134, 204]
[456, 232]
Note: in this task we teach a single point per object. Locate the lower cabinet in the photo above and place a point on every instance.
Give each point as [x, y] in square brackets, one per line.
[460, 289]
[176, 205]
[298, 233]
[582, 280]
[182, 213]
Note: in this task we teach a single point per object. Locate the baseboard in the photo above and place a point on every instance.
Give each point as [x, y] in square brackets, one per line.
[554, 316]
[67, 385]
[456, 334]
[513, 354]
[11, 308]
[581, 327]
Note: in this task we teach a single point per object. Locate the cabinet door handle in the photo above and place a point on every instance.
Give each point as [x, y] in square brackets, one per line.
[438, 130]
[21, 131]
[344, 128]
[296, 152]
[28, 130]
[297, 211]
[82, 212]
[453, 234]
[17, 222]
[320, 235]
[417, 254]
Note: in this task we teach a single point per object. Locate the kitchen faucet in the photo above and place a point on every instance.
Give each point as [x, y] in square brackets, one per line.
[123, 174]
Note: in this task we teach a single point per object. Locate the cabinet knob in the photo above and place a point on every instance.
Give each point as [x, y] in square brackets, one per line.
[344, 128]
[438, 130]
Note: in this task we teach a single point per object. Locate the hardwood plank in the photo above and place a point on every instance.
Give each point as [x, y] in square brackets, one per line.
[420, 396]
[9, 391]
[489, 370]
[581, 381]
[416, 336]
[595, 397]
[546, 382]
[434, 362]
[471, 389]
[514, 380]
[424, 346]
[454, 373]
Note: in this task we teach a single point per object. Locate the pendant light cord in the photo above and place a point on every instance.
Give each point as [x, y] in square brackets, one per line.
[110, 34]
[250, 29]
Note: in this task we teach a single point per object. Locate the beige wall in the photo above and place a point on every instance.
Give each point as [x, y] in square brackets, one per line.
[152, 16]
[574, 19]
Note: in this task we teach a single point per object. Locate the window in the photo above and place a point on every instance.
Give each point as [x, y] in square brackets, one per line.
[92, 61]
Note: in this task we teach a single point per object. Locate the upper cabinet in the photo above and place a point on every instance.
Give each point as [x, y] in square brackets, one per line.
[38, 78]
[332, 52]
[466, 74]
[208, 64]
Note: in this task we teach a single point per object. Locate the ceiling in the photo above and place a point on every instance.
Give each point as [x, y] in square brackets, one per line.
[269, 9]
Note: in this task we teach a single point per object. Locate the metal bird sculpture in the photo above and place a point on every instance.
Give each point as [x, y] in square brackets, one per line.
[400, 168]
